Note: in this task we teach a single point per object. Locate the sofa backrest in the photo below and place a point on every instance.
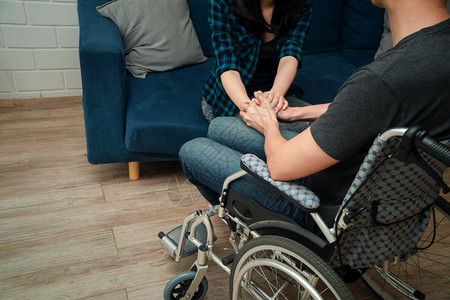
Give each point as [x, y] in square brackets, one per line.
[336, 24]
[199, 15]
[362, 25]
[324, 34]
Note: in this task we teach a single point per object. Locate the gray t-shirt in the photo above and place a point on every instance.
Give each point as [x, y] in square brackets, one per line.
[406, 86]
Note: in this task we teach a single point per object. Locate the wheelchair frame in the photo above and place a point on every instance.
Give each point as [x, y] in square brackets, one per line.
[240, 229]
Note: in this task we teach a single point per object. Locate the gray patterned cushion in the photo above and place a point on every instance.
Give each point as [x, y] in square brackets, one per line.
[300, 195]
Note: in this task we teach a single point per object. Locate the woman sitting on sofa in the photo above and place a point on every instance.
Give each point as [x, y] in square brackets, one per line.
[258, 47]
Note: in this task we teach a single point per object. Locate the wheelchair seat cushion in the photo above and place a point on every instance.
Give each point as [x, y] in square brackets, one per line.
[296, 193]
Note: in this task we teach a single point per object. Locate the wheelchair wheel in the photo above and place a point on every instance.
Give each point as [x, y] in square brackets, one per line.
[273, 267]
[179, 285]
[425, 269]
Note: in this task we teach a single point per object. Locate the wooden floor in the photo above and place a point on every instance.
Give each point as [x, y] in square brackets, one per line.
[72, 230]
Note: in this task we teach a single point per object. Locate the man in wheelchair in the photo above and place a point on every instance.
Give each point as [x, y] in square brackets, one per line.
[309, 177]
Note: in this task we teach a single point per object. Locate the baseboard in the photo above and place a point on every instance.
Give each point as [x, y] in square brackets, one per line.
[33, 102]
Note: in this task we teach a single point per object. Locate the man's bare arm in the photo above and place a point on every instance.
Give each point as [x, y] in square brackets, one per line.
[286, 160]
[305, 113]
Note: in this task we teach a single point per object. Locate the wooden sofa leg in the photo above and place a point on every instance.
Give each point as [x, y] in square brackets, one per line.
[133, 170]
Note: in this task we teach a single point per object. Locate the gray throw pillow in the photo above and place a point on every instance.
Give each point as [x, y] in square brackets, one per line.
[157, 35]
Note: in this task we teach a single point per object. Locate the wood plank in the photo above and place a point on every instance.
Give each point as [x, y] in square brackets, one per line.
[114, 295]
[34, 256]
[85, 279]
[51, 199]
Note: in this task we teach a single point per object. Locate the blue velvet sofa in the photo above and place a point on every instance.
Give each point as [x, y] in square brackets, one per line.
[136, 120]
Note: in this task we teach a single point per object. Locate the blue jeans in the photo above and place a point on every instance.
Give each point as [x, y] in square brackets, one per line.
[207, 162]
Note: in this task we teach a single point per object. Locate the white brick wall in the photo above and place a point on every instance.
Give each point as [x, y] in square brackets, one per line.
[39, 49]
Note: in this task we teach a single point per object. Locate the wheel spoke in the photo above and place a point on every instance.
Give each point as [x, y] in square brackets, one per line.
[278, 272]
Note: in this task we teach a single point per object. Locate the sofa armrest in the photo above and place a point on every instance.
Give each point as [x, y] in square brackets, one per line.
[103, 74]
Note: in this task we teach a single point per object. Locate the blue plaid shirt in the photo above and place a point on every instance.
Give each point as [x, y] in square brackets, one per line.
[236, 48]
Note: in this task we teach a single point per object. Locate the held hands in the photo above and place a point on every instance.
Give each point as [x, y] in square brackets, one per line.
[275, 99]
[260, 114]
[279, 104]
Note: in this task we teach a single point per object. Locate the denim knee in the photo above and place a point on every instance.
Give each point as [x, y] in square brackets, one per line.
[190, 150]
[221, 125]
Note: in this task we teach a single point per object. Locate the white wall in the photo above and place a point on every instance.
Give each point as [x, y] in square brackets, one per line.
[39, 49]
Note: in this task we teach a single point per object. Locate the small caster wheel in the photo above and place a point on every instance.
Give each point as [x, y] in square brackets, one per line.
[179, 285]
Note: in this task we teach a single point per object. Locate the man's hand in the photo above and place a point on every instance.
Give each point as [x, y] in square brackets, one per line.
[260, 114]
[276, 100]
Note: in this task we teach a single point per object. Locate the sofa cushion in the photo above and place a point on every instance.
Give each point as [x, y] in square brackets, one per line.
[362, 24]
[164, 109]
[325, 27]
[199, 15]
[152, 32]
[322, 74]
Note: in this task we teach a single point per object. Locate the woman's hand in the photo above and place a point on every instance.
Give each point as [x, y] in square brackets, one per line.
[243, 105]
[275, 99]
[260, 114]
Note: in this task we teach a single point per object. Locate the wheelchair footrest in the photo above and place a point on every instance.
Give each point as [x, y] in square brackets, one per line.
[189, 248]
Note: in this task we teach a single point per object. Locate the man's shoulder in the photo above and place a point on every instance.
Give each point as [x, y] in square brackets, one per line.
[425, 50]
[443, 27]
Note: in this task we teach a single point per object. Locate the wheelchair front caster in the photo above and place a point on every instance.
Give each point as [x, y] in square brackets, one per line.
[179, 285]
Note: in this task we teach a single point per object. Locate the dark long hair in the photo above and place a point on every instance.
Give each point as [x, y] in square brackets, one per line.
[248, 13]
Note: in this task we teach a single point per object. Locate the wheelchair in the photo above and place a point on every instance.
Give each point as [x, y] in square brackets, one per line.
[380, 226]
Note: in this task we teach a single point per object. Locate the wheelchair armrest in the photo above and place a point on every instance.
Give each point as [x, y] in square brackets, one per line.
[301, 196]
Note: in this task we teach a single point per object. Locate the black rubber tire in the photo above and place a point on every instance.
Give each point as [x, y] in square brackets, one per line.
[308, 259]
[177, 287]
